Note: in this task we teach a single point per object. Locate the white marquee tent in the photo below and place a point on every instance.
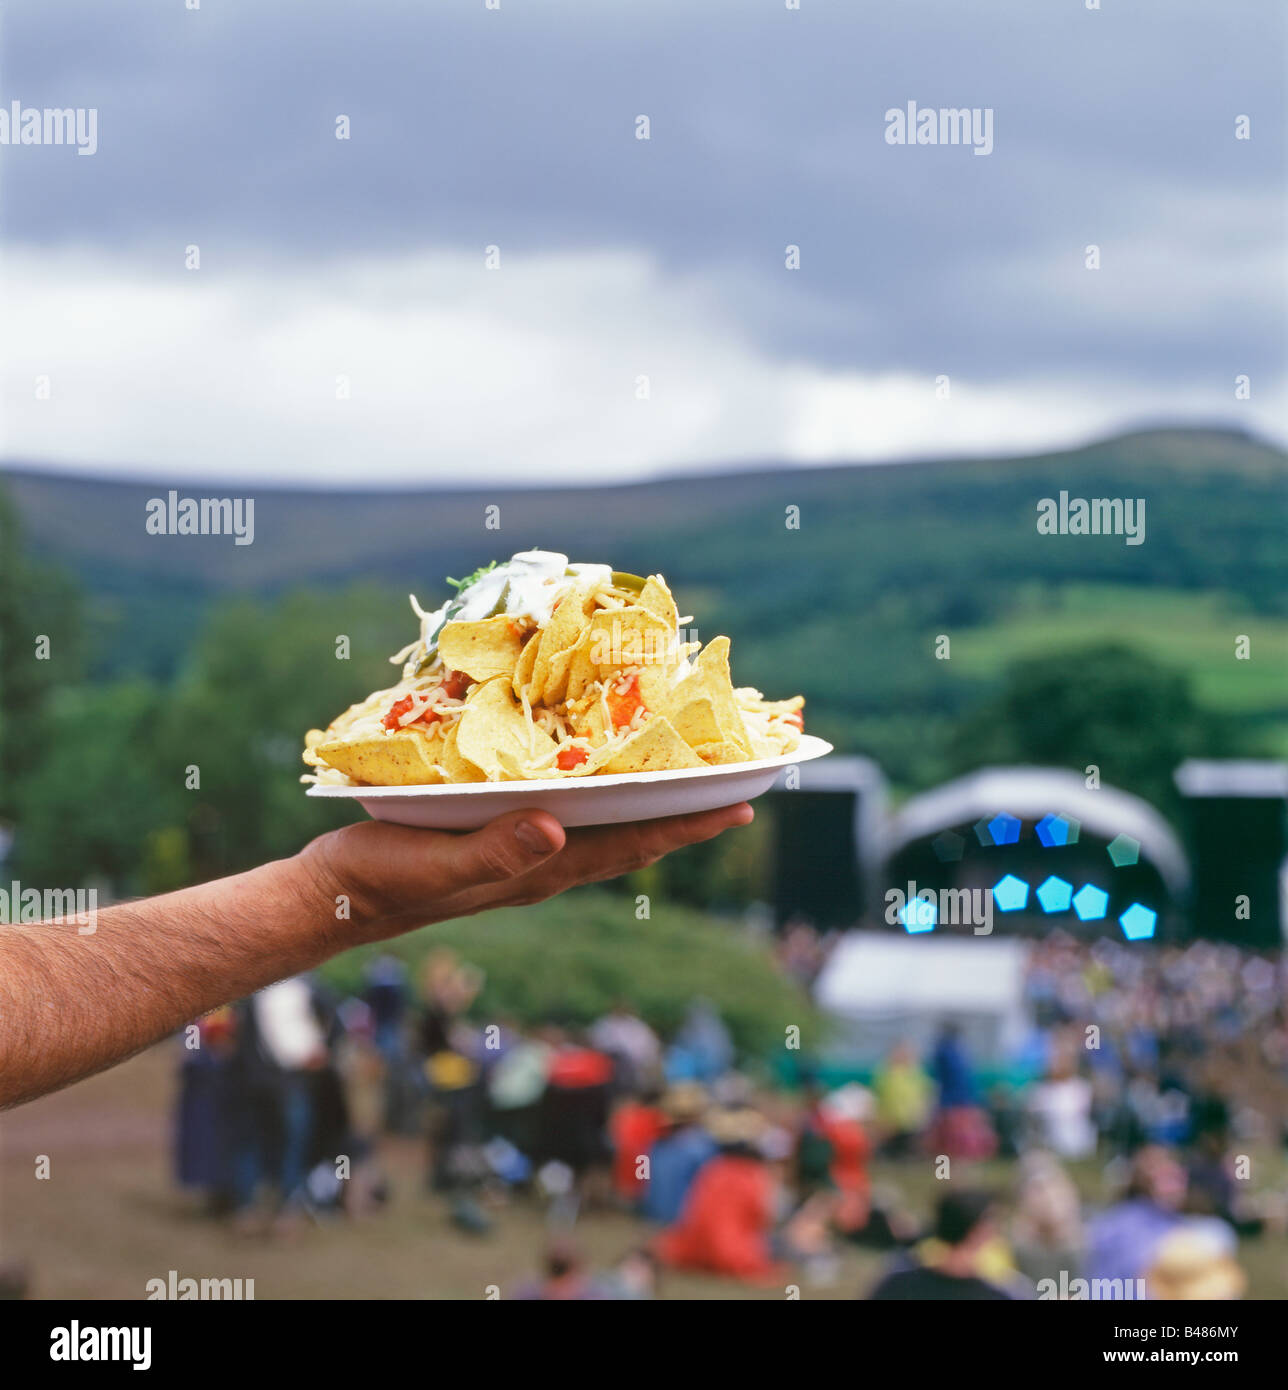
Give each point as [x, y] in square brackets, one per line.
[884, 988]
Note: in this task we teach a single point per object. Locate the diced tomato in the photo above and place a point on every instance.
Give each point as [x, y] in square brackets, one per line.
[396, 712]
[622, 704]
[400, 707]
[794, 718]
[456, 683]
[569, 758]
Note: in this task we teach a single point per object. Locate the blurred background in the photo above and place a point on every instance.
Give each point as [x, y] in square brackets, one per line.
[415, 284]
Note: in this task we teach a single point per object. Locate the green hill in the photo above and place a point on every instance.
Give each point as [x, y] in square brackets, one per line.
[847, 607]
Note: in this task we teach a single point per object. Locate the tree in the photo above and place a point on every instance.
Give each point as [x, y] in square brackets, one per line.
[39, 648]
[1107, 705]
[95, 799]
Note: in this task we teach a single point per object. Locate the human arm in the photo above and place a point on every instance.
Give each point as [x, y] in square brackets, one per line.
[74, 1002]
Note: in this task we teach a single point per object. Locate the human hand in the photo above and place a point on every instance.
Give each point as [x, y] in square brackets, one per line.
[392, 878]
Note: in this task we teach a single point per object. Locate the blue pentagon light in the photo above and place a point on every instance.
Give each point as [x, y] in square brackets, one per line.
[1010, 893]
[1138, 922]
[1123, 850]
[918, 915]
[1052, 831]
[948, 846]
[1090, 902]
[1055, 830]
[1004, 829]
[1055, 894]
[981, 831]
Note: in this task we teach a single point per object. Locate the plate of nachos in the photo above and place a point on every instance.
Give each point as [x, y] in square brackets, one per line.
[572, 688]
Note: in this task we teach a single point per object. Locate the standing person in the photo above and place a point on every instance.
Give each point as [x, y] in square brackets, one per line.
[387, 995]
[961, 1127]
[202, 1135]
[948, 1266]
[280, 1048]
[456, 1112]
[631, 1043]
[361, 1073]
[575, 1111]
[456, 1136]
[1060, 1110]
[726, 1226]
[702, 1050]
[904, 1097]
[515, 1085]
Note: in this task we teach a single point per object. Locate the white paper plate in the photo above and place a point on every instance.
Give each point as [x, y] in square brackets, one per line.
[593, 800]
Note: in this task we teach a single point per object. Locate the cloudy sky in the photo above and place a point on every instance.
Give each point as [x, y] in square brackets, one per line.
[344, 324]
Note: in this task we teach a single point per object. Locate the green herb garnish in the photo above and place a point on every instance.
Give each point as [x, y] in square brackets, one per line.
[459, 584]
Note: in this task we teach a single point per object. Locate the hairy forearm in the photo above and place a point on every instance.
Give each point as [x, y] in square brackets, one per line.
[73, 1002]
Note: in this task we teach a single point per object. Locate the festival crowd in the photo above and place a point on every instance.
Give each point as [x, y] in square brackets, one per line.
[1150, 1073]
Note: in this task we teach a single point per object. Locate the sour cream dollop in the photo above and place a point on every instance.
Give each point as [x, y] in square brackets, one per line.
[530, 582]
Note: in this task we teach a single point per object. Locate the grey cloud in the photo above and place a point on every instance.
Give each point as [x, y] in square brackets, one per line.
[515, 127]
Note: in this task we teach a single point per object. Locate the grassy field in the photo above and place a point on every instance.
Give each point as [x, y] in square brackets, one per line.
[107, 1219]
[1193, 632]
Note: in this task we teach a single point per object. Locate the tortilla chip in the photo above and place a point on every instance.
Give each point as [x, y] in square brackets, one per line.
[723, 751]
[656, 597]
[407, 758]
[516, 769]
[524, 666]
[595, 724]
[457, 767]
[493, 721]
[654, 748]
[490, 647]
[697, 721]
[710, 680]
[559, 636]
[614, 639]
